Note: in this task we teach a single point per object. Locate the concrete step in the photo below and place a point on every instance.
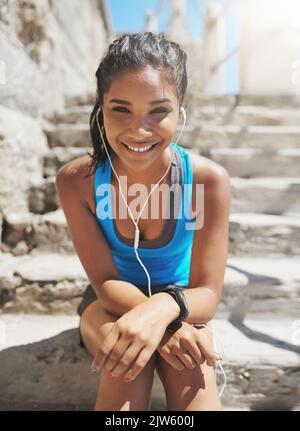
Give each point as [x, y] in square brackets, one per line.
[75, 114]
[42, 197]
[41, 283]
[26, 232]
[55, 282]
[51, 371]
[206, 137]
[69, 135]
[249, 233]
[250, 163]
[80, 100]
[241, 115]
[58, 156]
[279, 101]
[272, 195]
[264, 235]
[260, 286]
[234, 100]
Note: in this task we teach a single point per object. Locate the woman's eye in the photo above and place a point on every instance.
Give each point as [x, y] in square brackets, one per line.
[120, 109]
[156, 111]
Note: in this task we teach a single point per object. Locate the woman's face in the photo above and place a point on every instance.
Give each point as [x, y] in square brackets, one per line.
[133, 116]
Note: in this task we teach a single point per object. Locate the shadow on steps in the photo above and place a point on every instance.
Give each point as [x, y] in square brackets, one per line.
[54, 374]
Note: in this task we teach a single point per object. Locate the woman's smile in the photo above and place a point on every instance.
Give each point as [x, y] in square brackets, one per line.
[140, 150]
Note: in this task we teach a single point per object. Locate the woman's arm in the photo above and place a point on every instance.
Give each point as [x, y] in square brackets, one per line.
[118, 297]
[210, 246]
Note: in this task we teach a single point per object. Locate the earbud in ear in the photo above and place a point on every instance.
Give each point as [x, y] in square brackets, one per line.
[182, 110]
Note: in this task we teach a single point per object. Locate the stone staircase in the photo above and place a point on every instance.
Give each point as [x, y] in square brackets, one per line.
[257, 139]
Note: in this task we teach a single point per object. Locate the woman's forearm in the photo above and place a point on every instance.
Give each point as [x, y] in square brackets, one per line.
[118, 296]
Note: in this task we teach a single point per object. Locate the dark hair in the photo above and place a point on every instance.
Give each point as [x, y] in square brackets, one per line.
[132, 52]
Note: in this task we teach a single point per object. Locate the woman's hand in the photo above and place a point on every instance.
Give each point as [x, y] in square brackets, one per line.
[135, 336]
[187, 347]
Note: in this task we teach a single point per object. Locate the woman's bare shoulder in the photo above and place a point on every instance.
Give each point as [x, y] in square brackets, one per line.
[206, 171]
[77, 174]
[213, 176]
[76, 169]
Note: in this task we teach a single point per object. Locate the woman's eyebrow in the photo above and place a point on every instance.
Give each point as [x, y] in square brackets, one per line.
[125, 102]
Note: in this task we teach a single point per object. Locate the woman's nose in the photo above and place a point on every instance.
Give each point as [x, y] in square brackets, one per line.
[140, 127]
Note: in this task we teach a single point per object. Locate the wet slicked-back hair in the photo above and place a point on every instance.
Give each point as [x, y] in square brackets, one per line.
[136, 51]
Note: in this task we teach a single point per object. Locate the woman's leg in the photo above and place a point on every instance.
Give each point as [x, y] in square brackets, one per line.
[113, 393]
[188, 389]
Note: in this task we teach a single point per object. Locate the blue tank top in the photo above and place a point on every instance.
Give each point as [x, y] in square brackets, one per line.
[169, 264]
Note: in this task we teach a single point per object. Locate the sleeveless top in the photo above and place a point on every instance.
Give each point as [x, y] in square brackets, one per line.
[167, 258]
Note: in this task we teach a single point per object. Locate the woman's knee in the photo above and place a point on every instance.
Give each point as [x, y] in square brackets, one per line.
[189, 389]
[116, 395]
[92, 319]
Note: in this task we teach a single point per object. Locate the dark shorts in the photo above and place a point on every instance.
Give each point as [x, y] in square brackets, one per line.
[90, 296]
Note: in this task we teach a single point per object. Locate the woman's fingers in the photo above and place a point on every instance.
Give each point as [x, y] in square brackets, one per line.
[139, 364]
[172, 360]
[187, 360]
[108, 343]
[192, 349]
[206, 346]
[184, 357]
[126, 360]
[116, 354]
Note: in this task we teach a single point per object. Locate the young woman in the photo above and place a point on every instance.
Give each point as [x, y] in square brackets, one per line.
[141, 86]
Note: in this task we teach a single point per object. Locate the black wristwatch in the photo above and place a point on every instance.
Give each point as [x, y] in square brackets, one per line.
[176, 292]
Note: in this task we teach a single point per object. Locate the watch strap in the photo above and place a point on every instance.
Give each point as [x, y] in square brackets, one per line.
[176, 292]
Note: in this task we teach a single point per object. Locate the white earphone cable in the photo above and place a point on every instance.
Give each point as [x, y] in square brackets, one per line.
[199, 325]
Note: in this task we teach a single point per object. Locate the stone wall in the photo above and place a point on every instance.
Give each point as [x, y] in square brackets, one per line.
[49, 53]
[50, 50]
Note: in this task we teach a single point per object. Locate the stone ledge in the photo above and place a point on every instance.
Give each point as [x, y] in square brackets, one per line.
[249, 234]
[272, 195]
[42, 365]
[249, 115]
[55, 282]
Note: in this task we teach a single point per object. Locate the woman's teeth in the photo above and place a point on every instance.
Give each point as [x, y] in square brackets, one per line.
[140, 150]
